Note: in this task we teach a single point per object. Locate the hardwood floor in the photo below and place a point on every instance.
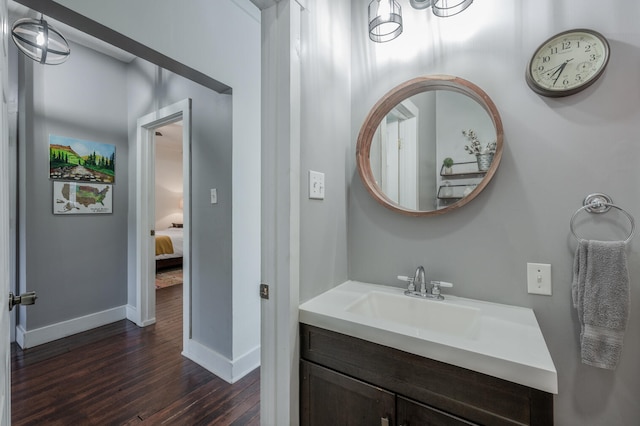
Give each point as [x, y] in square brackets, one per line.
[121, 374]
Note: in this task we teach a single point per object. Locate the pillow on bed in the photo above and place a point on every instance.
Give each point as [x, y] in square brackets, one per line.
[176, 225]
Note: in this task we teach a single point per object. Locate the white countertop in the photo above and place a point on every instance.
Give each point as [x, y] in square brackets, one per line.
[506, 341]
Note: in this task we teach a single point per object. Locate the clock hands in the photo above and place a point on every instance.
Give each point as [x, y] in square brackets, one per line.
[567, 63]
[559, 70]
[550, 74]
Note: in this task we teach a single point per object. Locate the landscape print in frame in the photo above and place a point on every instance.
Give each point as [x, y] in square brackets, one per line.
[77, 160]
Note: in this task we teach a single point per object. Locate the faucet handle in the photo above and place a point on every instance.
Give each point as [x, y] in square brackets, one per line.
[410, 280]
[436, 288]
[441, 284]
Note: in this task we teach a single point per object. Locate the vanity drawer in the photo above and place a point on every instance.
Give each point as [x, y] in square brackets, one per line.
[470, 395]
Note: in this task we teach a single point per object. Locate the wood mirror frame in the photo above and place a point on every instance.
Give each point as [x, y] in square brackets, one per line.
[399, 94]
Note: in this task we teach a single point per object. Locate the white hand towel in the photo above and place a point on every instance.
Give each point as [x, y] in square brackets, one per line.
[600, 292]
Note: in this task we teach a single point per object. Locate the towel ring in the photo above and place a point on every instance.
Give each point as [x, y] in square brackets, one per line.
[601, 203]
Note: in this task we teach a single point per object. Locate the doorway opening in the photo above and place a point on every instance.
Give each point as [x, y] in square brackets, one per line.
[175, 117]
[169, 220]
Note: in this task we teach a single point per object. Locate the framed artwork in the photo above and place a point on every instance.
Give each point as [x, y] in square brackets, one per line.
[77, 160]
[82, 198]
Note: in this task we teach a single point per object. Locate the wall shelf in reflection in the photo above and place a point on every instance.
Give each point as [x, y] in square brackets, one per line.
[454, 192]
[463, 171]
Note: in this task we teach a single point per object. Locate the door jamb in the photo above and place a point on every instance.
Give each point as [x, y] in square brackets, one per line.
[144, 313]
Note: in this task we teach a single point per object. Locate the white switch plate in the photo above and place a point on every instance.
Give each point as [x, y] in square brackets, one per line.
[316, 185]
[214, 196]
[539, 278]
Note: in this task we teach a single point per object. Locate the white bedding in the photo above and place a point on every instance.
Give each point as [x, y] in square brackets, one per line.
[177, 239]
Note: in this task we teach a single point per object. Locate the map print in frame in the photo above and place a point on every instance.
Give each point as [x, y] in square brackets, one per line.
[82, 198]
[77, 160]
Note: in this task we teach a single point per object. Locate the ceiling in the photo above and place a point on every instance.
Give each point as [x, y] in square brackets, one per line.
[171, 137]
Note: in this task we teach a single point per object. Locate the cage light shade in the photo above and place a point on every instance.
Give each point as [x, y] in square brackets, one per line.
[39, 41]
[385, 20]
[421, 4]
[446, 8]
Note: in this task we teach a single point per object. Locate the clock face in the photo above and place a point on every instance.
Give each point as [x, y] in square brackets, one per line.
[567, 63]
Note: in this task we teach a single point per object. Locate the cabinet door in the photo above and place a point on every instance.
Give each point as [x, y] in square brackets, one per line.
[411, 413]
[330, 398]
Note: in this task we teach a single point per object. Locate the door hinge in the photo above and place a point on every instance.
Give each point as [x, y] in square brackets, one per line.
[264, 291]
[24, 299]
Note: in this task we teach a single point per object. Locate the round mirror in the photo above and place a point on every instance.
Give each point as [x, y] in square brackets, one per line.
[430, 145]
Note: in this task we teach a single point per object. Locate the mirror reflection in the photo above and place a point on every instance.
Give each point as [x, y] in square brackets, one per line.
[430, 145]
[432, 149]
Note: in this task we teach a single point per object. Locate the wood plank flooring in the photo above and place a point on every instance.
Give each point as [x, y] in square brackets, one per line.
[121, 374]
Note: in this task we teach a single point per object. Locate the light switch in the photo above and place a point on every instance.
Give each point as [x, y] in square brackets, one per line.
[214, 196]
[316, 185]
[539, 278]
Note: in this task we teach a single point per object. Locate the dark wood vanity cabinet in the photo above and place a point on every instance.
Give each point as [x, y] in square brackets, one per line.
[349, 381]
[332, 398]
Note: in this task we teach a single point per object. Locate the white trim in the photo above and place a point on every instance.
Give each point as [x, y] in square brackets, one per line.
[132, 315]
[28, 339]
[144, 311]
[245, 364]
[279, 381]
[5, 244]
[228, 370]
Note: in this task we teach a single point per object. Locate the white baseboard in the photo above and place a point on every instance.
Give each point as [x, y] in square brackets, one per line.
[246, 363]
[228, 370]
[49, 333]
[132, 315]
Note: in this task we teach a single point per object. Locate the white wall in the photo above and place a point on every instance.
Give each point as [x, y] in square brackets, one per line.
[556, 152]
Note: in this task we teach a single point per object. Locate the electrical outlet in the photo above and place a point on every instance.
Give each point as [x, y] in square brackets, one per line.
[214, 196]
[539, 278]
[316, 185]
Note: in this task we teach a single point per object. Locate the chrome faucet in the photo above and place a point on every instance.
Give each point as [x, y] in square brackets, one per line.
[418, 278]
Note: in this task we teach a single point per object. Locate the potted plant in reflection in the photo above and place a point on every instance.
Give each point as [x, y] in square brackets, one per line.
[447, 163]
[484, 155]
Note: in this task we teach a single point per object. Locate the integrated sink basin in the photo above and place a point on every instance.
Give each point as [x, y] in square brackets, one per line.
[503, 341]
[420, 314]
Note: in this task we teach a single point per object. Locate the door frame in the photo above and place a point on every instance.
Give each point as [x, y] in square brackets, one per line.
[144, 308]
[5, 245]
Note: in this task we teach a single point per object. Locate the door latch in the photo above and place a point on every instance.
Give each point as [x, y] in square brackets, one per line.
[28, 298]
[264, 291]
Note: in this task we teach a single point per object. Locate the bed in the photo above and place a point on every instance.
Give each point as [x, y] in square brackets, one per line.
[169, 248]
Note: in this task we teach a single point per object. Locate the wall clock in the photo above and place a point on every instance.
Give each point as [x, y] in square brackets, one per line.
[567, 63]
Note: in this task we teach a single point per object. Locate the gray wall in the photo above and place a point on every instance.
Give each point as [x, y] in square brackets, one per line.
[325, 144]
[97, 98]
[186, 34]
[150, 89]
[77, 264]
[556, 152]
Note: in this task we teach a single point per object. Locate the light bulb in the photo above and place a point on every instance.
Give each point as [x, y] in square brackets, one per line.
[40, 39]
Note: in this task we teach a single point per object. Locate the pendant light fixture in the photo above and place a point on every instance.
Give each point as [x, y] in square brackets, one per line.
[446, 8]
[421, 4]
[385, 20]
[39, 41]
[385, 16]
